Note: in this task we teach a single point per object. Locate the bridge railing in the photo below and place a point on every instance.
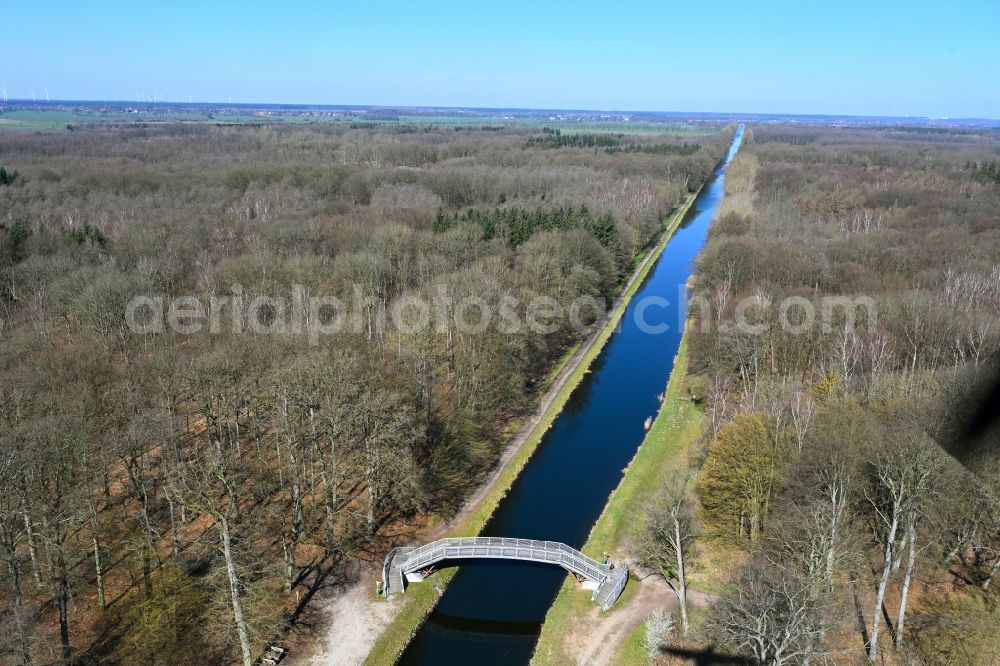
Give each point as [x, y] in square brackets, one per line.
[498, 541]
[615, 591]
[552, 552]
[385, 566]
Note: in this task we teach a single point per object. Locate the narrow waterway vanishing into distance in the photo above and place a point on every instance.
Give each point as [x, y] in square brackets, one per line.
[492, 611]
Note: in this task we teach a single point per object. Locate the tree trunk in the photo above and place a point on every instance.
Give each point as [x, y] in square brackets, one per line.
[911, 558]
[886, 568]
[137, 472]
[993, 572]
[174, 543]
[147, 573]
[370, 517]
[286, 553]
[290, 546]
[830, 554]
[98, 565]
[49, 562]
[371, 474]
[62, 601]
[297, 520]
[898, 561]
[17, 601]
[242, 630]
[329, 504]
[32, 550]
[681, 578]
[329, 479]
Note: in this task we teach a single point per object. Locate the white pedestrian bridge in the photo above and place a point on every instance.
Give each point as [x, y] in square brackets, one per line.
[406, 564]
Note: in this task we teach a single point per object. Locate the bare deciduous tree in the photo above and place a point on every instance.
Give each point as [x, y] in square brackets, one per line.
[203, 484]
[11, 535]
[667, 537]
[771, 613]
[803, 409]
[900, 474]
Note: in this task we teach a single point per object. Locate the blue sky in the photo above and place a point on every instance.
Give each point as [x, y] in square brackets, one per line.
[851, 57]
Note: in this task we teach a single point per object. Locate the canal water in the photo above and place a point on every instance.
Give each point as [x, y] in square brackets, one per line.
[492, 611]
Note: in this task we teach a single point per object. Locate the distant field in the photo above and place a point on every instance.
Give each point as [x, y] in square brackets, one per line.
[35, 120]
[39, 120]
[59, 119]
[651, 128]
[566, 126]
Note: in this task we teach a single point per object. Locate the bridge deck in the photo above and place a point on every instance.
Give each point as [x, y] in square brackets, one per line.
[403, 561]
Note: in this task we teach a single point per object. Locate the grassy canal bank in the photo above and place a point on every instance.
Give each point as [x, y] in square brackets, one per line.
[677, 427]
[419, 600]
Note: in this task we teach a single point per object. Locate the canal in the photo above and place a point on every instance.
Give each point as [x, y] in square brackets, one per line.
[492, 611]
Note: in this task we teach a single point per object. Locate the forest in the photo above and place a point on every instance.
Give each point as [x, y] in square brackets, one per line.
[842, 506]
[178, 498]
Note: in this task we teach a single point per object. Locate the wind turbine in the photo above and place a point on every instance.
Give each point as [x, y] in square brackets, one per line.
[32, 94]
[46, 94]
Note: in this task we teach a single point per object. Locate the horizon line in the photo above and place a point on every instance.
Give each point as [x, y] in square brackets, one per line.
[366, 107]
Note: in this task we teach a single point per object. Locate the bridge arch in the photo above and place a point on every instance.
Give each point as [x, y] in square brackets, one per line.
[404, 564]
